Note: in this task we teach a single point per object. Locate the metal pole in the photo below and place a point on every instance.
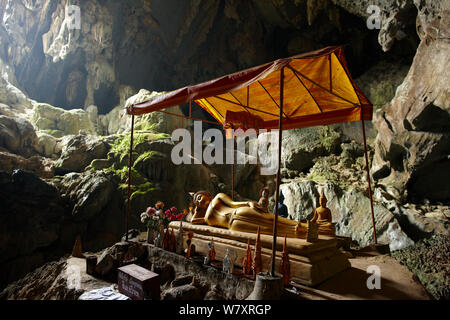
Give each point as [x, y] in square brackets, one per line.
[368, 179]
[130, 164]
[277, 192]
[232, 178]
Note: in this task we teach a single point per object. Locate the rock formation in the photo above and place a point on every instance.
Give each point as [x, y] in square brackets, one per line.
[412, 146]
[63, 89]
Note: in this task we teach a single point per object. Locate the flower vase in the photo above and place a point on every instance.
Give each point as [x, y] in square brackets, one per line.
[160, 236]
[150, 235]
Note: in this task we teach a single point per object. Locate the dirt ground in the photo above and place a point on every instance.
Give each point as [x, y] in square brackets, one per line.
[397, 282]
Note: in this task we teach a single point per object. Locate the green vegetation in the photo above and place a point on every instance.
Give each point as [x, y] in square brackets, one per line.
[428, 260]
[116, 165]
[121, 145]
[145, 156]
[329, 138]
[120, 148]
[143, 189]
[146, 126]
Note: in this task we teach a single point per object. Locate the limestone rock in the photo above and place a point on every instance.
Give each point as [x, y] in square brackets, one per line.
[301, 146]
[112, 257]
[182, 280]
[350, 211]
[47, 145]
[106, 263]
[380, 82]
[184, 292]
[114, 121]
[59, 122]
[65, 279]
[396, 17]
[90, 192]
[30, 220]
[96, 205]
[42, 167]
[413, 134]
[18, 136]
[79, 151]
[12, 100]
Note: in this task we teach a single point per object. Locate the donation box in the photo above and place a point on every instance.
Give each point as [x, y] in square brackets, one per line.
[138, 283]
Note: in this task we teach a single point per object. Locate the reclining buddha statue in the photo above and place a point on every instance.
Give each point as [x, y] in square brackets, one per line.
[221, 211]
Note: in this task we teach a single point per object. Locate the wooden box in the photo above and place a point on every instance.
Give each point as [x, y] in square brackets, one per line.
[138, 283]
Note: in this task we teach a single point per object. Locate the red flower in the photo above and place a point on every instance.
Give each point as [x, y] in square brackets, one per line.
[167, 213]
[173, 209]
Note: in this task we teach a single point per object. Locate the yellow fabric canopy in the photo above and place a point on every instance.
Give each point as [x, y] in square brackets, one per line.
[317, 90]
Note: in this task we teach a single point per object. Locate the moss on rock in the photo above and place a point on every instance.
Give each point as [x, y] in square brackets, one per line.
[428, 260]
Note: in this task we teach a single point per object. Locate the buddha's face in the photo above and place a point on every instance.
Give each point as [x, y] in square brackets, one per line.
[323, 202]
[202, 200]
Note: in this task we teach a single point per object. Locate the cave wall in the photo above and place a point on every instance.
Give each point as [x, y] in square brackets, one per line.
[163, 45]
[413, 142]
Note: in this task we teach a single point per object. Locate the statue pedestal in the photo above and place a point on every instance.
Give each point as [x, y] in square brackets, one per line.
[311, 262]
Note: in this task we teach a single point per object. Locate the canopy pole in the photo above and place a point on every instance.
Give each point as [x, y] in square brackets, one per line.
[368, 179]
[232, 179]
[190, 108]
[277, 192]
[130, 163]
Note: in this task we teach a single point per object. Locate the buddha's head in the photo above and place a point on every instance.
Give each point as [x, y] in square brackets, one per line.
[323, 199]
[202, 199]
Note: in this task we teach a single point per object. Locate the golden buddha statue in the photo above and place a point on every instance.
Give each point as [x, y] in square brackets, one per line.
[322, 216]
[244, 216]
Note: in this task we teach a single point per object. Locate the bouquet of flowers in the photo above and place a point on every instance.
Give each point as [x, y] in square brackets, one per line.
[171, 215]
[154, 217]
[151, 218]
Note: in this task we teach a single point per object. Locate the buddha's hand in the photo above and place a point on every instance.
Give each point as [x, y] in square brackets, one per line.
[198, 221]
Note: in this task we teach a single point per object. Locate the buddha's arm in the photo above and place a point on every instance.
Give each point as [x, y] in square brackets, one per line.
[230, 203]
[314, 219]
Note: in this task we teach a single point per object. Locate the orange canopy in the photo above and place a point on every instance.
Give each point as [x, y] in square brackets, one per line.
[317, 90]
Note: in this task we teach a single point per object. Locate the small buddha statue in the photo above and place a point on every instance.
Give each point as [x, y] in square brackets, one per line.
[322, 217]
[227, 267]
[282, 208]
[264, 198]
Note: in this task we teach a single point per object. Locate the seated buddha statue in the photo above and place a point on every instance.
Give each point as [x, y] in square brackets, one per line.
[322, 216]
[245, 216]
